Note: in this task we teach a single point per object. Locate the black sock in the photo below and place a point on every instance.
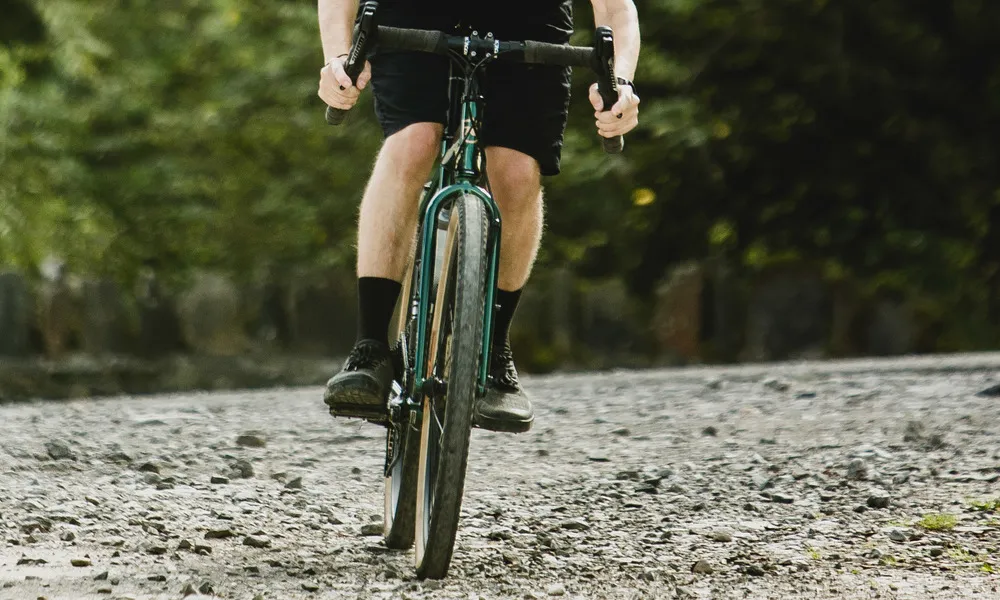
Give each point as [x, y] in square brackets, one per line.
[504, 315]
[376, 302]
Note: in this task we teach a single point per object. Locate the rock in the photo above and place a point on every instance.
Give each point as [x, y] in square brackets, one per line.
[721, 536]
[295, 484]
[201, 549]
[102, 576]
[857, 470]
[574, 525]
[878, 501]
[710, 431]
[860, 509]
[15, 315]
[206, 588]
[256, 542]
[935, 551]
[914, 431]
[621, 432]
[782, 499]
[702, 567]
[897, 536]
[80, 562]
[556, 589]
[219, 534]
[156, 550]
[372, 529]
[310, 587]
[242, 469]
[776, 385]
[990, 392]
[209, 313]
[149, 467]
[219, 479]
[251, 439]
[185, 545]
[59, 451]
[159, 578]
[755, 570]
[189, 590]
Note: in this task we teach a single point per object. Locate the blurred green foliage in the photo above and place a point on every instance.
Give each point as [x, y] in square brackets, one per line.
[858, 134]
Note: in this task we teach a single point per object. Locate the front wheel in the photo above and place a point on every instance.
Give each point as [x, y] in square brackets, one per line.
[456, 337]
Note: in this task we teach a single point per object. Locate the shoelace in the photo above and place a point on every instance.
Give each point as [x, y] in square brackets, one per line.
[504, 374]
[364, 356]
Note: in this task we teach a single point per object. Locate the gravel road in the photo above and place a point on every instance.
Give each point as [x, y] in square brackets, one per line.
[859, 479]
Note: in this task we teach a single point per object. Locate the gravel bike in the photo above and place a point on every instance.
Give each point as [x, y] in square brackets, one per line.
[447, 307]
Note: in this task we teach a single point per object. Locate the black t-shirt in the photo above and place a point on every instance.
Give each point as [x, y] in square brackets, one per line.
[543, 20]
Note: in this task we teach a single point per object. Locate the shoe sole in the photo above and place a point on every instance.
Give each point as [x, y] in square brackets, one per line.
[356, 402]
[501, 425]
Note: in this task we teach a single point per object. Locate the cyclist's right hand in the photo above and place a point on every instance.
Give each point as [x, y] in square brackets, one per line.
[335, 86]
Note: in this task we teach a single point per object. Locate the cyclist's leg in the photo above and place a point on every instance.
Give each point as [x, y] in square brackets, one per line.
[410, 92]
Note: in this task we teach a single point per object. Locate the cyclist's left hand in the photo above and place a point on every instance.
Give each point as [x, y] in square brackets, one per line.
[623, 116]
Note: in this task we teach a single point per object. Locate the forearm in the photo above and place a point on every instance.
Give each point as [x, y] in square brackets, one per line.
[336, 26]
[621, 17]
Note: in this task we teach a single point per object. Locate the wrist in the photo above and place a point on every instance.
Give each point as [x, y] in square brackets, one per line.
[622, 81]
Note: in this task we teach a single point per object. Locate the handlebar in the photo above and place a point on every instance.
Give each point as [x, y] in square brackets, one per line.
[600, 58]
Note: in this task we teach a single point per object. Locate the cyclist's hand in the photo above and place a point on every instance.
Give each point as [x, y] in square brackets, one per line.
[335, 86]
[623, 116]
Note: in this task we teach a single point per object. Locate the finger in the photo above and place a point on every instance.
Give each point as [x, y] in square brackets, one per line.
[625, 102]
[333, 100]
[364, 77]
[341, 76]
[595, 98]
[618, 128]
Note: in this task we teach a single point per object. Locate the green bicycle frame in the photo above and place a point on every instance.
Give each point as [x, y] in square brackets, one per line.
[458, 174]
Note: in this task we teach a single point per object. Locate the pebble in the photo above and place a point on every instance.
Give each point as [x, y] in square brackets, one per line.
[574, 525]
[556, 589]
[990, 392]
[256, 542]
[755, 570]
[936, 551]
[102, 576]
[241, 469]
[80, 562]
[703, 567]
[219, 479]
[295, 484]
[372, 529]
[710, 431]
[897, 536]
[776, 385]
[622, 432]
[149, 467]
[857, 470]
[59, 451]
[219, 534]
[68, 536]
[251, 439]
[878, 501]
[310, 587]
[782, 499]
[722, 536]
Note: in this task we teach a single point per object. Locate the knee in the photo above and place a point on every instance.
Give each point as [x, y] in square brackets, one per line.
[514, 177]
[413, 149]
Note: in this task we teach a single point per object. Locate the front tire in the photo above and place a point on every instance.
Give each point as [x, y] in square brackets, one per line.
[455, 347]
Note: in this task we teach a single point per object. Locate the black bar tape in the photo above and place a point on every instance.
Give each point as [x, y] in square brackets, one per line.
[395, 38]
[558, 54]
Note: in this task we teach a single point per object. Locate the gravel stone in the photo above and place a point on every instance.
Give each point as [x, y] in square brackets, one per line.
[897, 536]
[256, 542]
[59, 451]
[80, 562]
[703, 567]
[556, 589]
[857, 470]
[878, 501]
[372, 529]
[251, 439]
[219, 480]
[295, 484]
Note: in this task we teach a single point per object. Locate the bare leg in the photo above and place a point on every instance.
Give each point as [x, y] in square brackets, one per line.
[388, 213]
[517, 189]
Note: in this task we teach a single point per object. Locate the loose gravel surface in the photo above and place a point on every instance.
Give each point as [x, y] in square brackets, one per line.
[862, 479]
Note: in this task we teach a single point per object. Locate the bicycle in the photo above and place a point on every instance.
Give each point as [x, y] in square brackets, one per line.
[444, 327]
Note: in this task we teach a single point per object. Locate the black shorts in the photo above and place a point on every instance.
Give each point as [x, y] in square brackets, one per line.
[525, 106]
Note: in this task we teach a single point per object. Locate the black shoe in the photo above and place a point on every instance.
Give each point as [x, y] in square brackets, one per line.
[505, 407]
[361, 388]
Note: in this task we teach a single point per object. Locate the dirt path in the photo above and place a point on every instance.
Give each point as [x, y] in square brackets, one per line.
[815, 480]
